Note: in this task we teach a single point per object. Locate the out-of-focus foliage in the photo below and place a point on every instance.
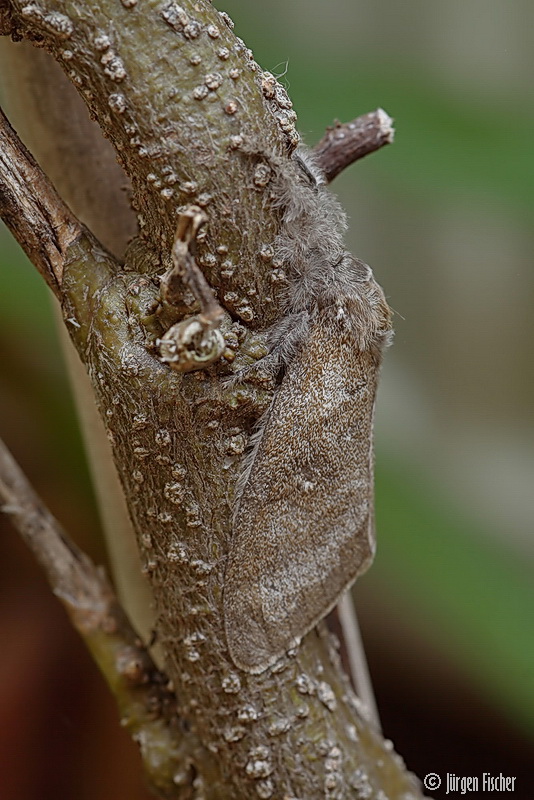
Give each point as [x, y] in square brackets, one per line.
[469, 595]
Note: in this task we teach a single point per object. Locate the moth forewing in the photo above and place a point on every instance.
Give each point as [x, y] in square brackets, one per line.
[303, 529]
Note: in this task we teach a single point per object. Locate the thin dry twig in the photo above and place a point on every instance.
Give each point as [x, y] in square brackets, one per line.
[186, 270]
[195, 342]
[148, 708]
[345, 143]
[32, 209]
[355, 650]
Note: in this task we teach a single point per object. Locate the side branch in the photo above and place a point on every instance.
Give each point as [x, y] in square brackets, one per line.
[345, 143]
[148, 708]
[31, 208]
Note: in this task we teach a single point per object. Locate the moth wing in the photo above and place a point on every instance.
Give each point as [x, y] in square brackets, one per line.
[304, 528]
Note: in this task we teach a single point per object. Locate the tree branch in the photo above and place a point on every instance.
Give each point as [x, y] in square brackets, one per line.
[48, 232]
[33, 211]
[347, 142]
[183, 131]
[52, 120]
[147, 707]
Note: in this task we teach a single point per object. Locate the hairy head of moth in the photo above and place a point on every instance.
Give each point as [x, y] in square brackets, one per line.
[190, 345]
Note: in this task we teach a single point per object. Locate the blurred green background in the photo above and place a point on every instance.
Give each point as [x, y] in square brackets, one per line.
[444, 216]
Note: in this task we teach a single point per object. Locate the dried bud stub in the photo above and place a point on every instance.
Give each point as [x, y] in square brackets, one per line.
[191, 345]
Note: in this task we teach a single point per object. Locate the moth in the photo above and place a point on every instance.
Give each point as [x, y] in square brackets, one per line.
[303, 527]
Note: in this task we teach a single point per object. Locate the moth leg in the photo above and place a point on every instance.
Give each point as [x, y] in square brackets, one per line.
[284, 339]
[288, 335]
